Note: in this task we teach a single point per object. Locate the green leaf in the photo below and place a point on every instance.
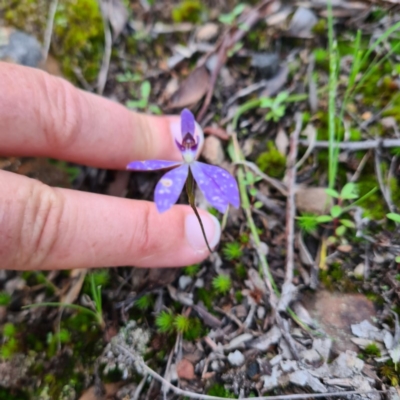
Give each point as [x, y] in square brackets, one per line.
[324, 218]
[349, 191]
[348, 223]
[258, 204]
[340, 230]
[266, 102]
[394, 217]
[253, 191]
[397, 259]
[281, 97]
[145, 90]
[332, 193]
[336, 211]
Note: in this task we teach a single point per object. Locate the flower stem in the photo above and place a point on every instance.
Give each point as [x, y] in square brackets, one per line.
[191, 197]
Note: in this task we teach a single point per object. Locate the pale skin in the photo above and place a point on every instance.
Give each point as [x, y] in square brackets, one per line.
[52, 228]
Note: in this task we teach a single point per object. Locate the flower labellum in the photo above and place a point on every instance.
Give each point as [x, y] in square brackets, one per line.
[218, 185]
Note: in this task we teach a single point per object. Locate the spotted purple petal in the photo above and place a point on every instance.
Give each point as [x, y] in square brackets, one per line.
[170, 187]
[187, 122]
[225, 181]
[209, 187]
[151, 165]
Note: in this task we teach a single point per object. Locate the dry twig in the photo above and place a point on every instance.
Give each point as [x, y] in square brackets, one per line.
[354, 146]
[49, 29]
[232, 36]
[105, 64]
[181, 392]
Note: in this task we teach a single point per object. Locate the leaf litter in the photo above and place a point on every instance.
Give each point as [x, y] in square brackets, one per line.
[299, 318]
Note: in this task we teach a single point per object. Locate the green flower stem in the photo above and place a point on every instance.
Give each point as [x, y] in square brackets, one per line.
[190, 192]
[238, 157]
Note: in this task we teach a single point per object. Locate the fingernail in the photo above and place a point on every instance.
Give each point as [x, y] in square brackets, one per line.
[194, 235]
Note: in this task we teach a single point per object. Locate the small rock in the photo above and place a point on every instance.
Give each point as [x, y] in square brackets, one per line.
[313, 200]
[367, 331]
[253, 369]
[207, 32]
[267, 64]
[260, 312]
[199, 283]
[213, 151]
[217, 365]
[346, 365]
[236, 358]
[323, 347]
[185, 370]
[271, 381]
[335, 312]
[19, 48]
[304, 378]
[359, 270]
[184, 282]
[289, 366]
[302, 22]
[310, 356]
[14, 284]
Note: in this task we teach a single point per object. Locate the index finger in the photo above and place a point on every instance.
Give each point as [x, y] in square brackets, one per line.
[45, 116]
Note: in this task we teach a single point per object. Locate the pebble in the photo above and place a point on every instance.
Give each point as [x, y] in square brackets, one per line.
[184, 282]
[236, 358]
[185, 370]
[19, 48]
[207, 32]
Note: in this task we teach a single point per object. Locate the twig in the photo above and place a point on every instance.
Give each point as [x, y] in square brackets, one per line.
[290, 203]
[360, 167]
[273, 182]
[105, 64]
[49, 29]
[383, 188]
[139, 388]
[181, 392]
[233, 36]
[354, 146]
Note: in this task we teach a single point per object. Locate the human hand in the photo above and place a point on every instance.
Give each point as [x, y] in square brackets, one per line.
[53, 228]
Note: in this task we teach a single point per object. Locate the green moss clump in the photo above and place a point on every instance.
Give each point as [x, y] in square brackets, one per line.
[79, 37]
[78, 33]
[272, 162]
[219, 390]
[188, 11]
[372, 350]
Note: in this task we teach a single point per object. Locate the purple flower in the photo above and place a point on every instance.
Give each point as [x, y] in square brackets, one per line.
[218, 185]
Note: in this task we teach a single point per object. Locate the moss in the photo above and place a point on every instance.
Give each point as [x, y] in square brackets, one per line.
[219, 390]
[206, 296]
[389, 373]
[372, 350]
[79, 37]
[188, 11]
[78, 33]
[272, 162]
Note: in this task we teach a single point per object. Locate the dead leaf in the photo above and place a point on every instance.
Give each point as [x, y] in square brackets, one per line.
[207, 32]
[282, 141]
[302, 22]
[185, 370]
[95, 393]
[118, 16]
[191, 90]
[313, 200]
[77, 277]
